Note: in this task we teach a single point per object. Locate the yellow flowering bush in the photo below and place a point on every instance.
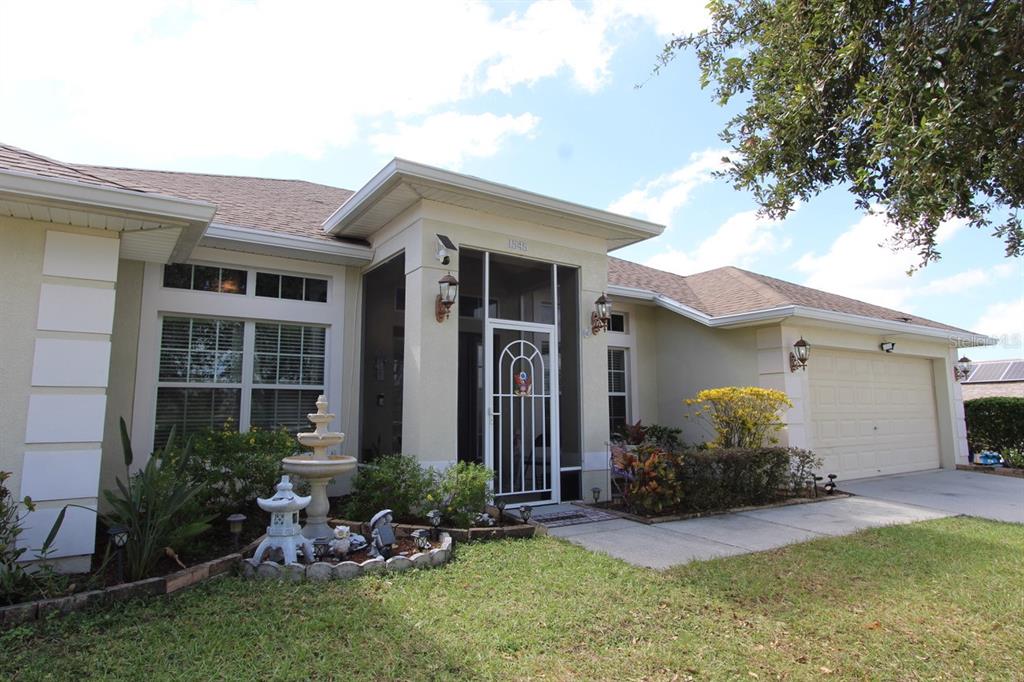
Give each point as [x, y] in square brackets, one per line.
[743, 417]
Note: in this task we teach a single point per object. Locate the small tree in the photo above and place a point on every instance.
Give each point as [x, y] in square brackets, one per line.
[746, 417]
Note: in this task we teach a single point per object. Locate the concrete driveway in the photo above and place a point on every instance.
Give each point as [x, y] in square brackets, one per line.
[955, 492]
[678, 542]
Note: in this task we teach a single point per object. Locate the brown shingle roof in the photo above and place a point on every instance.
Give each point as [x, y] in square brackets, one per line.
[730, 291]
[23, 161]
[290, 206]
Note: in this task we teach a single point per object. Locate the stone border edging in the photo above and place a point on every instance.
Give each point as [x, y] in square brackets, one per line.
[651, 520]
[322, 571]
[27, 612]
[990, 469]
[519, 530]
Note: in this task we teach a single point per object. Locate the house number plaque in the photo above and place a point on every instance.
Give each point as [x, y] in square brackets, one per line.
[518, 245]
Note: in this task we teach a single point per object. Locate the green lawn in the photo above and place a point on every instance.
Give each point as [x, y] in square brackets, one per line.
[936, 600]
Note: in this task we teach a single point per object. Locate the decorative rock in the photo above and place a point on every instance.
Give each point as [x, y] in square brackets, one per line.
[248, 567]
[319, 572]
[372, 565]
[347, 570]
[436, 557]
[399, 564]
[420, 560]
[268, 570]
[294, 572]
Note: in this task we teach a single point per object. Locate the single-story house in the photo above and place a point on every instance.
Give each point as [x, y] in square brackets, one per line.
[995, 379]
[187, 300]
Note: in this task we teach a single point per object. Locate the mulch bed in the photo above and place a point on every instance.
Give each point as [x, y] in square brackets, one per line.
[992, 469]
[618, 509]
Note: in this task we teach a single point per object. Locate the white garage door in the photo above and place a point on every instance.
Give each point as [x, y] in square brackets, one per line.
[872, 414]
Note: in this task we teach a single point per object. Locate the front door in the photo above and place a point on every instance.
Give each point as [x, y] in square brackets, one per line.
[522, 415]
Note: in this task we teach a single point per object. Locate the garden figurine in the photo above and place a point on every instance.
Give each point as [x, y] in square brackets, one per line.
[421, 537]
[382, 534]
[342, 542]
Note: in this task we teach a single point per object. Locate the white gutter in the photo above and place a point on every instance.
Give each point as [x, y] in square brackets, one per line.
[400, 169]
[160, 206]
[782, 312]
[249, 240]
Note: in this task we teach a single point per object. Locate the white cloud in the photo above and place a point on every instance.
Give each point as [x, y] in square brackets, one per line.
[739, 241]
[860, 265]
[142, 82]
[1004, 320]
[660, 198]
[448, 139]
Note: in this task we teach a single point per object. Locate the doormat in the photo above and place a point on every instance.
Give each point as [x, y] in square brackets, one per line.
[572, 518]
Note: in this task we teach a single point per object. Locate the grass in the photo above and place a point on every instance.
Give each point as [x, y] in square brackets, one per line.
[936, 600]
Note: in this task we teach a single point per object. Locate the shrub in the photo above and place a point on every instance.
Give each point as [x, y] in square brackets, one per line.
[16, 583]
[462, 492]
[665, 437]
[1014, 457]
[737, 477]
[652, 484]
[155, 505]
[745, 417]
[995, 424]
[395, 482]
[232, 469]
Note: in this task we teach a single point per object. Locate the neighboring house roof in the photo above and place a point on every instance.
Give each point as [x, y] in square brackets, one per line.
[289, 206]
[996, 371]
[732, 291]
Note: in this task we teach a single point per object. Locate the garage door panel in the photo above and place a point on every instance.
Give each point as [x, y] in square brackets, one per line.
[872, 415]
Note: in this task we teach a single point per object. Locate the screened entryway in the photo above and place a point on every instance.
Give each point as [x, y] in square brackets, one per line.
[519, 411]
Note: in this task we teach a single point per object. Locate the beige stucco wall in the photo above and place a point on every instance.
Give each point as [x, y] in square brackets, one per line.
[692, 357]
[124, 348]
[21, 261]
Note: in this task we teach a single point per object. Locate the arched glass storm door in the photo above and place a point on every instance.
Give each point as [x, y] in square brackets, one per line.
[521, 396]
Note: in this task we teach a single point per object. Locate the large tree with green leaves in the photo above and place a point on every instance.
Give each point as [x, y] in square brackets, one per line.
[916, 106]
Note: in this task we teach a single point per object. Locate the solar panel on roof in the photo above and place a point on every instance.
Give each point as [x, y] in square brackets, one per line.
[988, 372]
[1015, 372]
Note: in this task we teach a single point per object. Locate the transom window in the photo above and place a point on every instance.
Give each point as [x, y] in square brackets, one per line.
[291, 287]
[618, 390]
[205, 278]
[617, 323]
[203, 382]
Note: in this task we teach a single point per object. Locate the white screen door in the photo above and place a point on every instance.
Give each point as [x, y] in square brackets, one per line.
[522, 417]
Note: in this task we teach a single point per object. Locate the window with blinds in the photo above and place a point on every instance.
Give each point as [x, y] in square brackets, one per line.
[201, 382]
[618, 390]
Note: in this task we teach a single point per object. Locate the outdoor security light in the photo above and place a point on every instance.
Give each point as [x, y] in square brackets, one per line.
[449, 288]
[798, 356]
[444, 249]
[888, 346]
[602, 314]
[963, 368]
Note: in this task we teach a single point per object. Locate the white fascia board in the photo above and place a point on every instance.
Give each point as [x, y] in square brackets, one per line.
[400, 169]
[160, 206]
[777, 314]
[249, 240]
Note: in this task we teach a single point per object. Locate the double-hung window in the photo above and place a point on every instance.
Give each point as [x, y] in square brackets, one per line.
[618, 389]
[217, 372]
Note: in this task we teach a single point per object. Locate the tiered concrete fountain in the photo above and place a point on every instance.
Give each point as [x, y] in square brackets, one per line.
[319, 468]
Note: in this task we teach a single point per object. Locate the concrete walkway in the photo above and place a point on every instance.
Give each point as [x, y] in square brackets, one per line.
[956, 492]
[678, 542]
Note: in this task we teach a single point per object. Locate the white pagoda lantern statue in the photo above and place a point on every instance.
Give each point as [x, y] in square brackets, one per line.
[284, 531]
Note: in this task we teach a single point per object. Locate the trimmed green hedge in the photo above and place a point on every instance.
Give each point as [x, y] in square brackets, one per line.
[995, 424]
[716, 479]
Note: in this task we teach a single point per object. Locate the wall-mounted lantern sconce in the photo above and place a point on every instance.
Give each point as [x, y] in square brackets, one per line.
[449, 287]
[963, 368]
[888, 346]
[602, 315]
[798, 356]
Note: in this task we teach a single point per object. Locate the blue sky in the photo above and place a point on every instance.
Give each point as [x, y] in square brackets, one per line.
[537, 95]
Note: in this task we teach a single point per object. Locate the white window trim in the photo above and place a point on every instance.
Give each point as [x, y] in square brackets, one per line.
[159, 301]
[628, 393]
